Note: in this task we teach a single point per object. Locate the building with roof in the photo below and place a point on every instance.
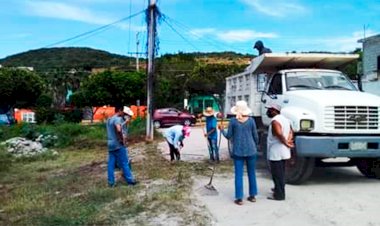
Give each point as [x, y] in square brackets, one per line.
[371, 57]
[371, 64]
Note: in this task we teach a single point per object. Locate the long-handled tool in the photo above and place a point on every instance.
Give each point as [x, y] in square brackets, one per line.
[212, 190]
[209, 186]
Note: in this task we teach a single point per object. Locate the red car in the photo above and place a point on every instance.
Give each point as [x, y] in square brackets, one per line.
[172, 116]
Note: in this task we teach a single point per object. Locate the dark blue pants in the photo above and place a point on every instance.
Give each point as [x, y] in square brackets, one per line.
[121, 157]
[239, 171]
[213, 149]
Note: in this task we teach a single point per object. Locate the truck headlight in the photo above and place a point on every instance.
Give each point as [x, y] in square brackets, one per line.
[306, 124]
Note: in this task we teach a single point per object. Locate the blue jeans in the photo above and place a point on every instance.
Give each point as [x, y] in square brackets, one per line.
[121, 157]
[239, 171]
[213, 149]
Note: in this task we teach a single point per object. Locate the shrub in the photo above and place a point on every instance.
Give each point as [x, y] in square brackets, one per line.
[73, 115]
[45, 115]
[137, 127]
[55, 116]
[5, 159]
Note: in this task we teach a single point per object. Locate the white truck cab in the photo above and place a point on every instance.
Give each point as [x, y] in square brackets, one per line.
[330, 117]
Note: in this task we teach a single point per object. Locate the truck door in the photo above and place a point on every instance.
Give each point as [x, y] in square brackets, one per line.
[273, 94]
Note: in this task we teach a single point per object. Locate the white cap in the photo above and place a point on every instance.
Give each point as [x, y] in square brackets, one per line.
[127, 111]
[274, 106]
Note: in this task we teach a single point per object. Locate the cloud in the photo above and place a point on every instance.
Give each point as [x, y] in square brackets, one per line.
[198, 33]
[126, 26]
[230, 35]
[65, 11]
[276, 8]
[243, 35]
[335, 44]
[345, 43]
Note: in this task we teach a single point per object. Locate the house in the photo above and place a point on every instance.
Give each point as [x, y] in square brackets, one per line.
[24, 115]
[371, 64]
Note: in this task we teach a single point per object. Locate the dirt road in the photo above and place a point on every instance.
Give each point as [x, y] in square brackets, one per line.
[195, 147]
[332, 196]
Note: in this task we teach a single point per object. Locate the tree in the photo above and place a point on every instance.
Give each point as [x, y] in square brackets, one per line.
[60, 82]
[19, 88]
[180, 74]
[211, 78]
[110, 88]
[173, 72]
[351, 70]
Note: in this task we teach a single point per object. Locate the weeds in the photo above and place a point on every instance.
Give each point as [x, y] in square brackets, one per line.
[71, 188]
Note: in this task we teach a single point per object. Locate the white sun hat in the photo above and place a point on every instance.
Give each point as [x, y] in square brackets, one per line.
[241, 107]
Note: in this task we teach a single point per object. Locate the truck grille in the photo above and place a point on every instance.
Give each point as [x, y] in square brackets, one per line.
[352, 117]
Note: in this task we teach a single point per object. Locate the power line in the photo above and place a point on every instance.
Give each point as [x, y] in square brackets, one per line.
[209, 41]
[93, 31]
[129, 27]
[164, 19]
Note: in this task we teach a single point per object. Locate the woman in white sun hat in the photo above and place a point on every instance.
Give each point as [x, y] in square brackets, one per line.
[242, 132]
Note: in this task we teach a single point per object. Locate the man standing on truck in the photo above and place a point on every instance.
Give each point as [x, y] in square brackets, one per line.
[280, 141]
[259, 45]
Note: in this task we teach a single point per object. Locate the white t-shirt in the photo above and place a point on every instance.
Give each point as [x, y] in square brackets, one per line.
[276, 150]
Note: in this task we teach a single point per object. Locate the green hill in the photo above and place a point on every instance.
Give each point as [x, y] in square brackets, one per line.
[66, 58]
[48, 59]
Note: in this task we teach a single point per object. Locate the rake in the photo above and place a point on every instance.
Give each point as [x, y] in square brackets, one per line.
[211, 189]
[209, 186]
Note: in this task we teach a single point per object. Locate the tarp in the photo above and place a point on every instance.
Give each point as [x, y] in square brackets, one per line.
[271, 62]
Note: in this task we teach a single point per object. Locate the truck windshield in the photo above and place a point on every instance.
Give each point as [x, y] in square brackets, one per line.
[317, 80]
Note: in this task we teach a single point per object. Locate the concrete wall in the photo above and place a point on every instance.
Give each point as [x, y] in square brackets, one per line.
[371, 51]
[372, 87]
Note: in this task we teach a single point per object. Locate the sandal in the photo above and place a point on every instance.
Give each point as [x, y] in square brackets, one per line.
[238, 202]
[251, 199]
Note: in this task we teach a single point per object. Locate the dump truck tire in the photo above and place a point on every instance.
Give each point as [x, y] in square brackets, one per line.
[369, 167]
[298, 169]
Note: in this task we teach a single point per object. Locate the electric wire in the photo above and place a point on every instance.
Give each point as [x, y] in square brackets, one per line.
[205, 38]
[94, 30]
[90, 35]
[194, 35]
[129, 27]
[179, 34]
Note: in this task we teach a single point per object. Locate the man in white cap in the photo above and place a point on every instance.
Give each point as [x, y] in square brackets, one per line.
[127, 119]
[117, 152]
[280, 141]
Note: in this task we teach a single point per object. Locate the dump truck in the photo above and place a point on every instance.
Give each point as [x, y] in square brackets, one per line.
[335, 124]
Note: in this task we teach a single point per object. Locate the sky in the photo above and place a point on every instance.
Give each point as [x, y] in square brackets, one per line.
[188, 25]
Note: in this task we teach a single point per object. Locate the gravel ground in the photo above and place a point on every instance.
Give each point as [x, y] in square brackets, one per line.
[332, 196]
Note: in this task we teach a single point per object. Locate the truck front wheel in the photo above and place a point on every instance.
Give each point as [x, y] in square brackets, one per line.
[369, 167]
[298, 169]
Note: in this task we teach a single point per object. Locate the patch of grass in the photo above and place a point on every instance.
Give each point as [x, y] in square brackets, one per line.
[68, 133]
[5, 159]
[71, 189]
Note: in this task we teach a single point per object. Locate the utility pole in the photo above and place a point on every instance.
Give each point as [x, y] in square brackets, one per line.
[150, 70]
[137, 51]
